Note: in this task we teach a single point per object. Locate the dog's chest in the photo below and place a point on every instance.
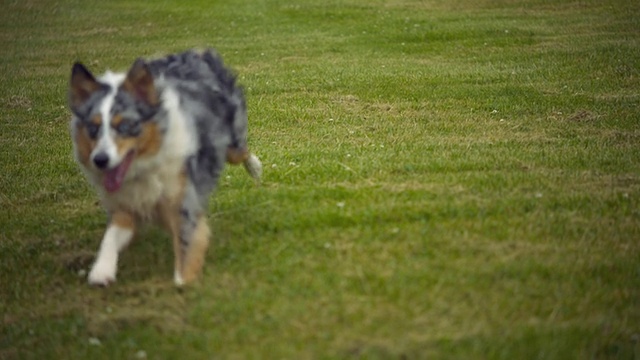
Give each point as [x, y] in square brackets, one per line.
[141, 194]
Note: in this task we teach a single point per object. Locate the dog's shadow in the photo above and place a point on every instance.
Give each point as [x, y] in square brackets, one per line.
[150, 255]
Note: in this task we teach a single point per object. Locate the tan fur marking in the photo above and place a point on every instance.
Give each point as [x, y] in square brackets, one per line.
[236, 156]
[84, 144]
[124, 145]
[97, 120]
[198, 245]
[150, 140]
[123, 219]
[116, 120]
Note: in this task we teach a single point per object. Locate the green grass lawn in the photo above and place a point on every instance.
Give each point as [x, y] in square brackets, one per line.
[443, 180]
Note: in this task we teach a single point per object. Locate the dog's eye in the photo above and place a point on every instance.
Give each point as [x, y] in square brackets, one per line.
[123, 127]
[92, 130]
[127, 127]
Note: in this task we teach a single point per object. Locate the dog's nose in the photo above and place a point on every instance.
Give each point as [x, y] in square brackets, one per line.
[101, 160]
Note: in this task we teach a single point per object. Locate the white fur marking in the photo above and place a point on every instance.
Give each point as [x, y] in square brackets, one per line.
[180, 139]
[106, 143]
[104, 269]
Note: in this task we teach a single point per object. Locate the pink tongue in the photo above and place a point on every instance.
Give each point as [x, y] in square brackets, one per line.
[113, 178]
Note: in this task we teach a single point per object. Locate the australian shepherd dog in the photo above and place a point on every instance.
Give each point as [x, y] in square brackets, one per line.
[153, 143]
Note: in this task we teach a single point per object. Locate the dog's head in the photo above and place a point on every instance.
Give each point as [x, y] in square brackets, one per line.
[113, 123]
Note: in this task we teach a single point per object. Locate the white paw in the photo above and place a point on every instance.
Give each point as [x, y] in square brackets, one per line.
[254, 167]
[102, 274]
[177, 279]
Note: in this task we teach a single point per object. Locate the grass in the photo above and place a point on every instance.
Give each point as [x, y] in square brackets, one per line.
[443, 180]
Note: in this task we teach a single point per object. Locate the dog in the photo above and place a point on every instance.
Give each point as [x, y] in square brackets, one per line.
[153, 142]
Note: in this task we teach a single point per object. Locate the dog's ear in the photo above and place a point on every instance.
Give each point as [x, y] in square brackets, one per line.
[139, 83]
[82, 86]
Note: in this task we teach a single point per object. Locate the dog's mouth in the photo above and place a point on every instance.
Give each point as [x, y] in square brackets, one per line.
[113, 178]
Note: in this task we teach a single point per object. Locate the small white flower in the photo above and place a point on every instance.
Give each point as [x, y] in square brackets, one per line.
[348, 155]
[94, 341]
[292, 164]
[274, 166]
[494, 111]
[340, 204]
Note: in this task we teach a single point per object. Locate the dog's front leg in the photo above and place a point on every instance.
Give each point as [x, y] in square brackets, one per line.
[118, 235]
[195, 249]
[170, 218]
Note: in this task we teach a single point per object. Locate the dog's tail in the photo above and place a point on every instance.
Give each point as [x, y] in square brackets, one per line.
[251, 162]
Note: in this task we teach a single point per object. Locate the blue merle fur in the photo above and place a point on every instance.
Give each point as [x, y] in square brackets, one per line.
[208, 93]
